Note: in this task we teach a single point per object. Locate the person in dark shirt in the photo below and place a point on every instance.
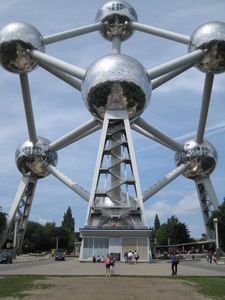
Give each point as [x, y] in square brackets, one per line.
[112, 265]
[175, 261]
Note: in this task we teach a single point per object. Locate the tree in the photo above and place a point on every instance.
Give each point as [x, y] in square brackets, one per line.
[63, 235]
[34, 232]
[162, 235]
[3, 220]
[204, 237]
[68, 220]
[220, 215]
[177, 232]
[156, 223]
[152, 236]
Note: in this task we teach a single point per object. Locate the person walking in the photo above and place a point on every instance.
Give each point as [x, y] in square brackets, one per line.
[130, 255]
[126, 256]
[112, 265]
[107, 265]
[136, 256]
[175, 261]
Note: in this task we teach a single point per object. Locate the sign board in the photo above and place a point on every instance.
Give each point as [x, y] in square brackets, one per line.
[8, 245]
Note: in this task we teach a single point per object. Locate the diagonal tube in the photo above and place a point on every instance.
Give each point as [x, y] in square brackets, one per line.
[68, 182]
[58, 64]
[165, 78]
[163, 182]
[72, 33]
[74, 134]
[158, 134]
[161, 32]
[174, 64]
[28, 107]
[79, 137]
[148, 135]
[63, 76]
[205, 107]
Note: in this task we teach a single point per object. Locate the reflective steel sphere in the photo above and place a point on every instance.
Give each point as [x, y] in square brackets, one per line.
[201, 158]
[15, 39]
[32, 158]
[116, 81]
[117, 14]
[107, 202]
[211, 38]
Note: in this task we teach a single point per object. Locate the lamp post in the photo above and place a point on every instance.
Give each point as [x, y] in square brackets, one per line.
[217, 239]
[57, 244]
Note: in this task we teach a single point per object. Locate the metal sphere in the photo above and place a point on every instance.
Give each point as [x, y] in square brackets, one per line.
[32, 157]
[117, 14]
[15, 39]
[210, 37]
[200, 157]
[106, 202]
[116, 81]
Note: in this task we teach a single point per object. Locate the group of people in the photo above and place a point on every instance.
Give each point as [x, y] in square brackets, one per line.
[98, 259]
[109, 265]
[130, 257]
[211, 258]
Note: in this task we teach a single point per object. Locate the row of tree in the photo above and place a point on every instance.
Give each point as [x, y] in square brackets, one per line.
[173, 230]
[43, 237]
[3, 220]
[40, 238]
[220, 215]
[178, 232]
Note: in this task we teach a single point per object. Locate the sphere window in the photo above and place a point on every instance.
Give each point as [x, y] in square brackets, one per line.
[133, 12]
[115, 6]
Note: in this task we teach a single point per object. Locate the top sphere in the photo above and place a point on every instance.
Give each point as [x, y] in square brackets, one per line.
[117, 14]
[210, 37]
[15, 39]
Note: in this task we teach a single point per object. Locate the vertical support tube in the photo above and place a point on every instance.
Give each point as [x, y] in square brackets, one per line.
[28, 107]
[205, 107]
[116, 45]
[117, 168]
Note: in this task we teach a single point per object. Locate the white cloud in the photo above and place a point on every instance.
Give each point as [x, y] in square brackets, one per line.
[188, 205]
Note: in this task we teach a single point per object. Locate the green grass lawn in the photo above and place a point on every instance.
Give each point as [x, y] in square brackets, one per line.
[208, 286]
[13, 286]
[16, 286]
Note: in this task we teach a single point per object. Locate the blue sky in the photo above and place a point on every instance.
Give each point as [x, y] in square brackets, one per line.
[58, 108]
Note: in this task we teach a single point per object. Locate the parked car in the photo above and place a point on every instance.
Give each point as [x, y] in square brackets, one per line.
[59, 256]
[5, 258]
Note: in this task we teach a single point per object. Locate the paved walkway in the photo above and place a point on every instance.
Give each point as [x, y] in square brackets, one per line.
[72, 266]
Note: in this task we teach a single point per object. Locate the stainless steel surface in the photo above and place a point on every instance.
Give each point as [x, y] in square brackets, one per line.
[116, 81]
[122, 202]
[210, 37]
[117, 15]
[30, 157]
[15, 39]
[201, 158]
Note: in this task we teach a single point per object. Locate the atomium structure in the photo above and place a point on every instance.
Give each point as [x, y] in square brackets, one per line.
[116, 89]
